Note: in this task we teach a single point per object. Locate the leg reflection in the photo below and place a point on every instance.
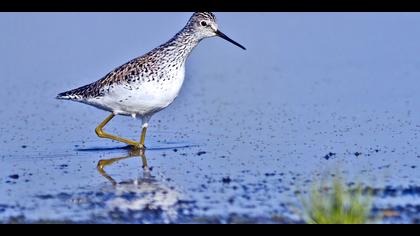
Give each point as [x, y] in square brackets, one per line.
[135, 152]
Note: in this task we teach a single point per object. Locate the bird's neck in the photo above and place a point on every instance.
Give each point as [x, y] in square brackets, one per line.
[182, 44]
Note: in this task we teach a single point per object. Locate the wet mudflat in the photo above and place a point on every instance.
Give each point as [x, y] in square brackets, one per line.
[312, 94]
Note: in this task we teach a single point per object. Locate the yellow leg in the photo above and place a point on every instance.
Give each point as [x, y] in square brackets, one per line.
[99, 131]
[143, 137]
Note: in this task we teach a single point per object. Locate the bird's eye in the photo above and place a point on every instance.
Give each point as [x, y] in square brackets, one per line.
[203, 23]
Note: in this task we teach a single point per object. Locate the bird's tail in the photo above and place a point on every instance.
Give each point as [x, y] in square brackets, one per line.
[77, 94]
[62, 96]
[69, 95]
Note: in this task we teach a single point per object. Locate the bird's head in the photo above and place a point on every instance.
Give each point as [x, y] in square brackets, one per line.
[204, 25]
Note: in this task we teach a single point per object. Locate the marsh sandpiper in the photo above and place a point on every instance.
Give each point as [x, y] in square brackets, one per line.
[149, 83]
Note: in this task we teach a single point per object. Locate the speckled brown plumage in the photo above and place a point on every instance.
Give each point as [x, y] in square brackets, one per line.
[149, 83]
[149, 67]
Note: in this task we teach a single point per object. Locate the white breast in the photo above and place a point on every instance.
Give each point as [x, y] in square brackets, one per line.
[142, 98]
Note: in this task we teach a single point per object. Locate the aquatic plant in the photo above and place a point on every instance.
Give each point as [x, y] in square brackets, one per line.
[337, 203]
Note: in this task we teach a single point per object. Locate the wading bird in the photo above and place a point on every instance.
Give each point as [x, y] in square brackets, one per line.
[149, 83]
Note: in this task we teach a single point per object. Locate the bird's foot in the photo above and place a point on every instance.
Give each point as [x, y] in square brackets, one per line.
[139, 146]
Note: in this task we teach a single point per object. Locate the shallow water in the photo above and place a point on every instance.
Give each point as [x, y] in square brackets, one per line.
[313, 93]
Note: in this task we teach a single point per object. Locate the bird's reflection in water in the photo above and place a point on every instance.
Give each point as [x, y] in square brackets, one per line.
[142, 194]
[135, 152]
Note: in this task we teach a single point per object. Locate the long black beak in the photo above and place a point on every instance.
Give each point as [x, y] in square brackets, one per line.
[223, 36]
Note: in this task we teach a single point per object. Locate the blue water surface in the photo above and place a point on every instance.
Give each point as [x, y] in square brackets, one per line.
[314, 92]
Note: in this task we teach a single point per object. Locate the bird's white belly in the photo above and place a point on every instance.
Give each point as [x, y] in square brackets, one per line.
[141, 99]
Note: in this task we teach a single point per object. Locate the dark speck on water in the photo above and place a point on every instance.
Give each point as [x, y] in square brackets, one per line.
[329, 155]
[226, 180]
[45, 196]
[63, 166]
[357, 154]
[14, 176]
[201, 153]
